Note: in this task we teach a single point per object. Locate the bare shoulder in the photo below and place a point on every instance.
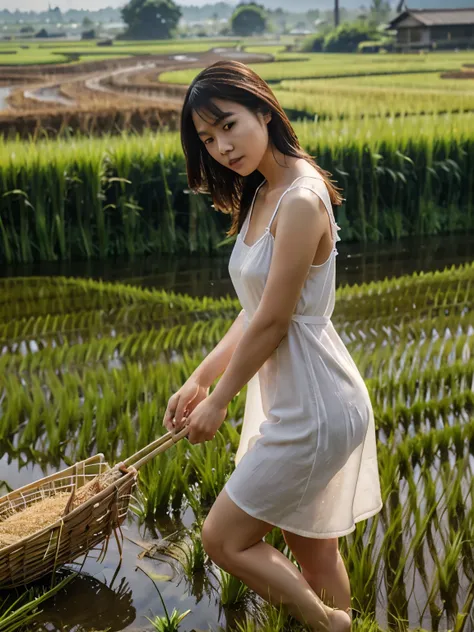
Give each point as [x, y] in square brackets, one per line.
[302, 204]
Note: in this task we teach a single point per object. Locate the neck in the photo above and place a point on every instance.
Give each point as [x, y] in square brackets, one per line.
[279, 169]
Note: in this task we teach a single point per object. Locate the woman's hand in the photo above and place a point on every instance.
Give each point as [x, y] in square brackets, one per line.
[205, 421]
[183, 402]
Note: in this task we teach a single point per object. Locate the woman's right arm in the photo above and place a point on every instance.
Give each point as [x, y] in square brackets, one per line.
[196, 387]
[215, 363]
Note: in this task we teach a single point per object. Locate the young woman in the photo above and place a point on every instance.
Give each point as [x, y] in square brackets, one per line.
[307, 459]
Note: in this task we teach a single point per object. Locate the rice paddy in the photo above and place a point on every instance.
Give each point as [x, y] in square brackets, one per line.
[89, 366]
[94, 198]
[24, 53]
[324, 65]
[385, 96]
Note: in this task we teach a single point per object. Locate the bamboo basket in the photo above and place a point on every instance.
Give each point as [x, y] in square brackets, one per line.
[79, 529]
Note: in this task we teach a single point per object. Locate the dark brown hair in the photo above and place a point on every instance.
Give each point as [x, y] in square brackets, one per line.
[231, 192]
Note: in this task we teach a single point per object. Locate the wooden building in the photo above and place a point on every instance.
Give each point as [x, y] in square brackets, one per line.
[434, 28]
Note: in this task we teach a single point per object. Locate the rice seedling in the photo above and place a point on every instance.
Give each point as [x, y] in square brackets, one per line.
[77, 382]
[17, 613]
[233, 591]
[166, 622]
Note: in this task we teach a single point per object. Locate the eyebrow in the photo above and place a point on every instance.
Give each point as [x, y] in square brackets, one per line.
[216, 122]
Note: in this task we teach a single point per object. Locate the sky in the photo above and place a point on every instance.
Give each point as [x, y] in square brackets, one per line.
[64, 5]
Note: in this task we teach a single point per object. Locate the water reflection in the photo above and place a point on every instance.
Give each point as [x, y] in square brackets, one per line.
[87, 603]
[5, 92]
[201, 275]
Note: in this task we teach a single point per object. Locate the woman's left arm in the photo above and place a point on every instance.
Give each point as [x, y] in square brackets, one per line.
[301, 222]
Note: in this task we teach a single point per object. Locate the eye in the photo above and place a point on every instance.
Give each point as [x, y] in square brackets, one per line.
[231, 123]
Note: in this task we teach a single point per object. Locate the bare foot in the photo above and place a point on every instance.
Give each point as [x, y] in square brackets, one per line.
[339, 621]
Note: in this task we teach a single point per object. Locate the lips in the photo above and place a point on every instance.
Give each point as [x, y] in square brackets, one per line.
[232, 162]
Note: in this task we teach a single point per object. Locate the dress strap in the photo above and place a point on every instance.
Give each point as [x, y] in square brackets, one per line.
[323, 195]
[246, 223]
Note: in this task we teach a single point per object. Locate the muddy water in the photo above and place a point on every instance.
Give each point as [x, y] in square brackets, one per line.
[50, 94]
[5, 92]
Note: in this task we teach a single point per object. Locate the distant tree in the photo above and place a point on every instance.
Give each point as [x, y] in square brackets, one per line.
[56, 14]
[379, 11]
[347, 36]
[248, 18]
[27, 29]
[150, 19]
[42, 33]
[313, 43]
[88, 35]
[87, 22]
[312, 15]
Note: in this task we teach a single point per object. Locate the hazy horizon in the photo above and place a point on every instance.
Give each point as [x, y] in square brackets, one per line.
[90, 5]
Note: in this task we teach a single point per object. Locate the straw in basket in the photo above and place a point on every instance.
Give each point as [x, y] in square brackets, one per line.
[69, 512]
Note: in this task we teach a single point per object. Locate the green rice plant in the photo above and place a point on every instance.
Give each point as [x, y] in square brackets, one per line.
[210, 462]
[166, 623]
[363, 561]
[195, 557]
[92, 198]
[233, 590]
[157, 480]
[97, 375]
[447, 571]
[20, 612]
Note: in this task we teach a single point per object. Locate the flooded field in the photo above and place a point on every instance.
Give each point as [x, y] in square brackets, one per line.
[88, 366]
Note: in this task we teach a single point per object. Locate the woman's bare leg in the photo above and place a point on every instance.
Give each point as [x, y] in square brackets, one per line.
[233, 540]
[323, 568]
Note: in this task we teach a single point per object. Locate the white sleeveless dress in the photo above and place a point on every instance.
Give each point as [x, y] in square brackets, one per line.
[307, 459]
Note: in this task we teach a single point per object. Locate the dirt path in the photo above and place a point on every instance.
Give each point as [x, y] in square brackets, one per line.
[126, 79]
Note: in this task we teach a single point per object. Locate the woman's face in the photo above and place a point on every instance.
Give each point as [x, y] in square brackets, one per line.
[241, 134]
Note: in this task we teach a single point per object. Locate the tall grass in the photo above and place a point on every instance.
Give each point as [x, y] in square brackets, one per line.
[94, 198]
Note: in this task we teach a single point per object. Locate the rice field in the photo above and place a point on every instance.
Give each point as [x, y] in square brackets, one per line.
[98, 197]
[324, 65]
[88, 366]
[385, 96]
[379, 86]
[24, 53]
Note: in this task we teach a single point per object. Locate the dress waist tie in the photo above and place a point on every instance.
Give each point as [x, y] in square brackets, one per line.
[302, 318]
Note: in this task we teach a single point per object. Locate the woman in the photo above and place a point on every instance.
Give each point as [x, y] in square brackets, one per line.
[307, 458]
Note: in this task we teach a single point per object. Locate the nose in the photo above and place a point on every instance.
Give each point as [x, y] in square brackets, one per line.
[224, 146]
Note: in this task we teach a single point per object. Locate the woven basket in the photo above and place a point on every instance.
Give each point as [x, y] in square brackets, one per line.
[83, 528]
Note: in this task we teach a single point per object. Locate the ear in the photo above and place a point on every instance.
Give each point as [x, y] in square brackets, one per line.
[267, 117]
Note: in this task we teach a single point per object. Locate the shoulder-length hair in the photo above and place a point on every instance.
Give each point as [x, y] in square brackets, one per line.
[231, 192]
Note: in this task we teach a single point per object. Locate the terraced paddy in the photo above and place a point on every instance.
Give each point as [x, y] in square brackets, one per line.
[89, 367]
[324, 65]
[37, 53]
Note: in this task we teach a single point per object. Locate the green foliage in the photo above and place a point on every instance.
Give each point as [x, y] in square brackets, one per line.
[379, 12]
[313, 43]
[96, 198]
[248, 19]
[375, 46]
[347, 36]
[88, 35]
[233, 591]
[17, 613]
[150, 19]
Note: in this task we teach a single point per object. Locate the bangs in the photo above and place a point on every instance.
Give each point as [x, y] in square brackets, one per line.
[201, 101]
